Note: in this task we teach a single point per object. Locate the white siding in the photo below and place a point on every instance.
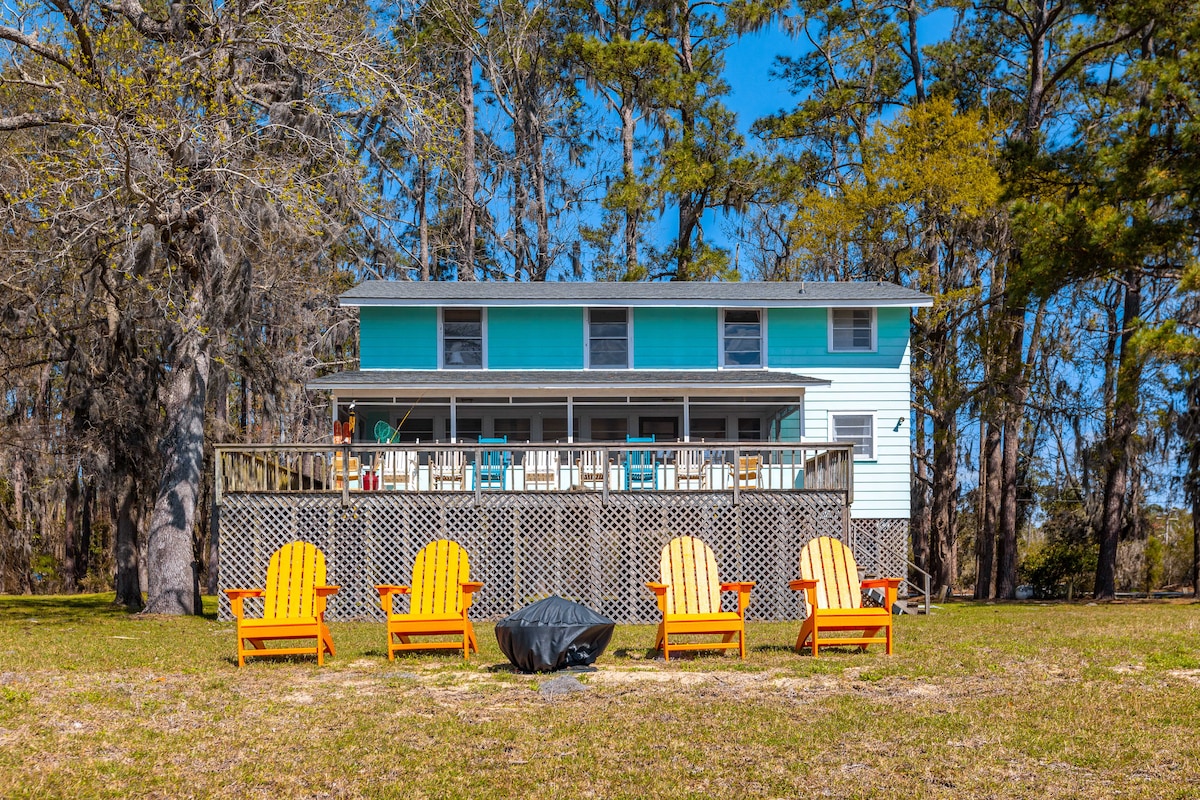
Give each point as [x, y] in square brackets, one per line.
[881, 485]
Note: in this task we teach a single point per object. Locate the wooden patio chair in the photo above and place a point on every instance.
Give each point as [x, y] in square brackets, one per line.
[340, 472]
[691, 469]
[748, 472]
[689, 597]
[833, 594]
[439, 596]
[293, 606]
[398, 469]
[447, 467]
[592, 469]
[541, 470]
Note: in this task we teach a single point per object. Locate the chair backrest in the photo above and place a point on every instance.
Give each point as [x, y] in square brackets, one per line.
[591, 462]
[397, 464]
[541, 469]
[448, 462]
[292, 573]
[689, 568]
[439, 569]
[748, 469]
[831, 564]
[689, 462]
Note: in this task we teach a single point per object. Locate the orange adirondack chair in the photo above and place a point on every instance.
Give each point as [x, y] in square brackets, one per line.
[440, 595]
[829, 577]
[689, 597]
[293, 605]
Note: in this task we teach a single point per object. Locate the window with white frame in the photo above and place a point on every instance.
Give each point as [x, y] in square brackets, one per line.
[462, 338]
[608, 338]
[857, 428]
[742, 338]
[851, 330]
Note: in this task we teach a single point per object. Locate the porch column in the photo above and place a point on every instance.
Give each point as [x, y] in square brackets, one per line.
[687, 419]
[453, 419]
[570, 419]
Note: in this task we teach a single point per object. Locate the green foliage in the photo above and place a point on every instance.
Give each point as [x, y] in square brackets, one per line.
[1065, 562]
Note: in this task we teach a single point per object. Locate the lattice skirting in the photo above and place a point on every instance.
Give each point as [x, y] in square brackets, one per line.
[527, 546]
[881, 548]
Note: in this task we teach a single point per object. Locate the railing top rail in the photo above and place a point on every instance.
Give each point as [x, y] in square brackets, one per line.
[534, 446]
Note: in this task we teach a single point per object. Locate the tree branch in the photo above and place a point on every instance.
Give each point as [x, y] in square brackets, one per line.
[32, 120]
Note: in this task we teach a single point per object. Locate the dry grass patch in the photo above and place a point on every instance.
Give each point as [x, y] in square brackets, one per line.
[979, 701]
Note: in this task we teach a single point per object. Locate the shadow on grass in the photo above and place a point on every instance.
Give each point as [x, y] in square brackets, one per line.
[61, 609]
[778, 649]
[637, 654]
[79, 608]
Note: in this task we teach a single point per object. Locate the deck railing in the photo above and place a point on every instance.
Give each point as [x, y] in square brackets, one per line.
[733, 467]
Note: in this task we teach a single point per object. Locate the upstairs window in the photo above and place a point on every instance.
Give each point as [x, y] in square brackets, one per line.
[462, 338]
[851, 330]
[742, 338]
[856, 428]
[608, 338]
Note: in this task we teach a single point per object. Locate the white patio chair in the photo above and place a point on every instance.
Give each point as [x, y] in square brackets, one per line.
[541, 470]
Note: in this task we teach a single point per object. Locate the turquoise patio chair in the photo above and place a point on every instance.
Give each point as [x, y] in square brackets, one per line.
[492, 465]
[641, 471]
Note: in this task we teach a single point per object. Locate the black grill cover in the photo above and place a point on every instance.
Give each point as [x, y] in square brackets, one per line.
[553, 634]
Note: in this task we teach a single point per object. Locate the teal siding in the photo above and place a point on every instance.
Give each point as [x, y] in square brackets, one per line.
[535, 338]
[675, 338]
[397, 338]
[799, 337]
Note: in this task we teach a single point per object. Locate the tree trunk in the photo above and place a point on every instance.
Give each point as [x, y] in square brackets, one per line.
[71, 505]
[126, 513]
[989, 493]
[170, 556]
[945, 490]
[423, 215]
[631, 214]
[1011, 410]
[920, 495]
[170, 560]
[1117, 449]
[466, 91]
[83, 562]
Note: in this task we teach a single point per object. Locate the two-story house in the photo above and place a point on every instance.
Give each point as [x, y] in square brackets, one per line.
[562, 432]
[607, 362]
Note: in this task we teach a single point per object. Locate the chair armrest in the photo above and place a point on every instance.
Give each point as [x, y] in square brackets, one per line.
[882, 583]
[469, 588]
[660, 594]
[802, 584]
[743, 592]
[387, 595]
[237, 596]
[889, 586]
[326, 591]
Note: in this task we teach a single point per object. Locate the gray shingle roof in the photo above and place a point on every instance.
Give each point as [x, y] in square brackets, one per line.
[694, 293]
[591, 380]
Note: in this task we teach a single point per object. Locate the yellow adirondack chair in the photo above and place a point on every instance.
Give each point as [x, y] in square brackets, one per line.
[293, 605]
[829, 577]
[440, 595]
[689, 597]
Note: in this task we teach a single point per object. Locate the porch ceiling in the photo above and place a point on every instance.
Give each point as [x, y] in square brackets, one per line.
[595, 383]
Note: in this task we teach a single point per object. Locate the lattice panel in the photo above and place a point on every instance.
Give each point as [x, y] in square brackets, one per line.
[525, 546]
[881, 549]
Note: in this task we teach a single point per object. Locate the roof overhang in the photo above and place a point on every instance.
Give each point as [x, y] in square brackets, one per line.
[561, 383]
[696, 294]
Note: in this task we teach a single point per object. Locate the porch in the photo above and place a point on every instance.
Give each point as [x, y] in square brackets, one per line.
[592, 536]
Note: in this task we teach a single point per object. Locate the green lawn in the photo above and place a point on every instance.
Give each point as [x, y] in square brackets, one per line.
[980, 701]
